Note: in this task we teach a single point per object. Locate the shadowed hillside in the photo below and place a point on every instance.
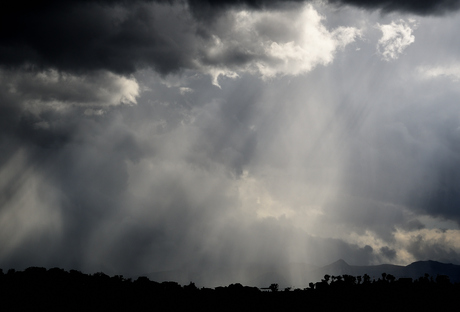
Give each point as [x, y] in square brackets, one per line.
[413, 270]
[300, 275]
[55, 289]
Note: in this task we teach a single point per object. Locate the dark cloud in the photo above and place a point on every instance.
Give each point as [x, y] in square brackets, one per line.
[388, 253]
[194, 176]
[424, 7]
[82, 36]
[329, 250]
[418, 7]
[413, 224]
[444, 198]
[123, 36]
[424, 248]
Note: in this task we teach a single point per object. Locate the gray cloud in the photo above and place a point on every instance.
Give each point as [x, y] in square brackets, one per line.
[78, 36]
[425, 7]
[388, 252]
[159, 170]
[433, 249]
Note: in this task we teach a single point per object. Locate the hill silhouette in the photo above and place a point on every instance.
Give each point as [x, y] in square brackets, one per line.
[300, 275]
[413, 270]
[56, 290]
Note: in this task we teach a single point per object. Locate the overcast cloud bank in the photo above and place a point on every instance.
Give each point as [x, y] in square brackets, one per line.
[149, 138]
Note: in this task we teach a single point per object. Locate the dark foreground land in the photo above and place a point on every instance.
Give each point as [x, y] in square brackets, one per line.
[55, 289]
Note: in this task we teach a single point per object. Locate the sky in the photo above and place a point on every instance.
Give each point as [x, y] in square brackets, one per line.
[147, 136]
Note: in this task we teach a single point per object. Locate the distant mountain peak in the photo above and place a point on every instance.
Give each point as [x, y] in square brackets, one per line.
[337, 268]
[427, 263]
[339, 262]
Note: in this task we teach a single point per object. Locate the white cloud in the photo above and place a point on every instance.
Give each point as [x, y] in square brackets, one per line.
[59, 90]
[255, 197]
[452, 71]
[215, 73]
[248, 41]
[185, 90]
[396, 37]
[91, 112]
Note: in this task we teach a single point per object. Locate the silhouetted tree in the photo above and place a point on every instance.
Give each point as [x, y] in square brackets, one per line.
[41, 289]
[273, 287]
[191, 287]
[366, 279]
[349, 280]
[443, 280]
[140, 281]
[391, 278]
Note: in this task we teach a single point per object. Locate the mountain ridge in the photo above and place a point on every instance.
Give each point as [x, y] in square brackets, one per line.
[413, 270]
[300, 275]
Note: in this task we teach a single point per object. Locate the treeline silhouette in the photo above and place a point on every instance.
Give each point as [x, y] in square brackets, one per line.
[37, 288]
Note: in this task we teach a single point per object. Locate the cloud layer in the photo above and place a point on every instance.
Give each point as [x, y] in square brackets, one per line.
[334, 134]
[122, 38]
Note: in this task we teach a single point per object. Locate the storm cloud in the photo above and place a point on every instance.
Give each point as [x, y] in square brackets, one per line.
[408, 6]
[113, 35]
[151, 136]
